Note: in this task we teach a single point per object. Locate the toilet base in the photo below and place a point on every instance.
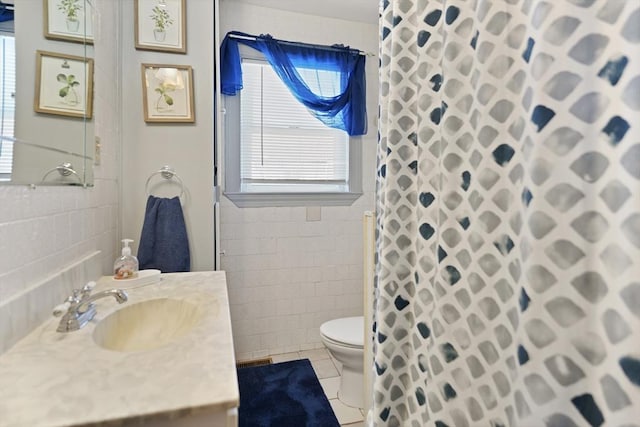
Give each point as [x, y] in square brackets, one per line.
[351, 391]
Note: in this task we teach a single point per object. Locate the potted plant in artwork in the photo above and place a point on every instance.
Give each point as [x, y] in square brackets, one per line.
[162, 20]
[70, 9]
[68, 92]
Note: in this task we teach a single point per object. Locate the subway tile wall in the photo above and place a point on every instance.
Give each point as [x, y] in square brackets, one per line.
[47, 228]
[287, 276]
[28, 309]
[42, 230]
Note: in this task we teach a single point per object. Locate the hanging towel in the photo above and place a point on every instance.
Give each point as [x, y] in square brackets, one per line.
[163, 243]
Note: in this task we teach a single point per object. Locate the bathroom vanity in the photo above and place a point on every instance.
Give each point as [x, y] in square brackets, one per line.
[163, 358]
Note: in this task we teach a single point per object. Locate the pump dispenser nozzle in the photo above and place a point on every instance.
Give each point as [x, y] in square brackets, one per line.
[126, 250]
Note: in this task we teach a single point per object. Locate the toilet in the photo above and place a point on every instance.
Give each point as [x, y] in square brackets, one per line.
[344, 338]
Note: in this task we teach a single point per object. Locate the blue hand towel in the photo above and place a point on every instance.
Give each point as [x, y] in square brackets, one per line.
[163, 243]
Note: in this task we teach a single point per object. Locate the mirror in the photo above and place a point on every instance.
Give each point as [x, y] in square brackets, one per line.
[46, 92]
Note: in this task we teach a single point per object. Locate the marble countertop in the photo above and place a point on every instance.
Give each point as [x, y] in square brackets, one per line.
[66, 379]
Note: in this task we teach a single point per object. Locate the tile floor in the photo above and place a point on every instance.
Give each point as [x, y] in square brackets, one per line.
[328, 372]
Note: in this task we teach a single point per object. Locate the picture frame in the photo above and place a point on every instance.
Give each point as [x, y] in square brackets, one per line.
[68, 20]
[160, 25]
[167, 93]
[64, 85]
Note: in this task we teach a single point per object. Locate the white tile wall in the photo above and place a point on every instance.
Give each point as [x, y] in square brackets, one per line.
[32, 306]
[39, 237]
[42, 230]
[287, 275]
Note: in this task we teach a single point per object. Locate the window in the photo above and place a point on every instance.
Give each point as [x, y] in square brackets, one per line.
[8, 104]
[277, 153]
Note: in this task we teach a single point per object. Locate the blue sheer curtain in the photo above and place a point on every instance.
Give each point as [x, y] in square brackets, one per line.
[346, 110]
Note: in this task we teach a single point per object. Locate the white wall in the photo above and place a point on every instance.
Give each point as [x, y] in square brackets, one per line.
[45, 229]
[287, 275]
[188, 148]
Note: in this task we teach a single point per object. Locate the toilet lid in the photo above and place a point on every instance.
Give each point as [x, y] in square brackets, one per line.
[348, 330]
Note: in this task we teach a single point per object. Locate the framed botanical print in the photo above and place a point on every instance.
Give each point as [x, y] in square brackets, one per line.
[167, 93]
[69, 20]
[160, 25]
[64, 84]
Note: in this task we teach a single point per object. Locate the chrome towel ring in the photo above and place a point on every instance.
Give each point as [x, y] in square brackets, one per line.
[167, 172]
[64, 169]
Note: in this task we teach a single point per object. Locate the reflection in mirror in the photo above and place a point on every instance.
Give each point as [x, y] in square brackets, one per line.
[46, 131]
[7, 89]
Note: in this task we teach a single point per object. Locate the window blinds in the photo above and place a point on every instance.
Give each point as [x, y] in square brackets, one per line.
[8, 104]
[282, 143]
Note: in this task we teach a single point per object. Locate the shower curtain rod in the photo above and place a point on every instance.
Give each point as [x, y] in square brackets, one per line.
[360, 52]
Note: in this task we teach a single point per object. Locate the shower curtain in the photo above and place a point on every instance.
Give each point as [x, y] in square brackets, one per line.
[508, 236]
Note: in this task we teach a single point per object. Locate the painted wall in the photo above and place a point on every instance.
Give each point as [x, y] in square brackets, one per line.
[287, 275]
[188, 148]
[43, 230]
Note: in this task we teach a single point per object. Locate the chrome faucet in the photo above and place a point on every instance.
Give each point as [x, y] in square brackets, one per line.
[79, 308]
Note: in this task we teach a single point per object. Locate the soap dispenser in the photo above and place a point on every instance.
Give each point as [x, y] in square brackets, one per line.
[125, 267]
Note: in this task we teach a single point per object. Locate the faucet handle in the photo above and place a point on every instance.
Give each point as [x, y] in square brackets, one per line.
[61, 309]
[76, 296]
[86, 289]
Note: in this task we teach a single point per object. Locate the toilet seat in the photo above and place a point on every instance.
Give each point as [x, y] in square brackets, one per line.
[347, 332]
[329, 341]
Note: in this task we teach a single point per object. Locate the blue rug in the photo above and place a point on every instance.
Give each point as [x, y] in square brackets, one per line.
[283, 395]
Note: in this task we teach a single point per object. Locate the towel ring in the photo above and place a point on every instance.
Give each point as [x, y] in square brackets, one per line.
[167, 172]
[64, 169]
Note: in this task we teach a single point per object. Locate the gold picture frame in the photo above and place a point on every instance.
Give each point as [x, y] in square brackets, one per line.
[167, 93]
[64, 85]
[160, 25]
[68, 20]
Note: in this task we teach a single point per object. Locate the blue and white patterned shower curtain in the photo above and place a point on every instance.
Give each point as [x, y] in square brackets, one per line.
[508, 277]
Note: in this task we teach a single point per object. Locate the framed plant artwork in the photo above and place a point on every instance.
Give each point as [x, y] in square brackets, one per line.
[167, 93]
[64, 85]
[160, 25]
[69, 20]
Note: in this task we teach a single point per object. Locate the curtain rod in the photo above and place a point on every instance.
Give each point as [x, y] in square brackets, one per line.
[360, 52]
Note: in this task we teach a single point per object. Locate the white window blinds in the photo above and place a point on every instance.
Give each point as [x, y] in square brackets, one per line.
[8, 104]
[283, 147]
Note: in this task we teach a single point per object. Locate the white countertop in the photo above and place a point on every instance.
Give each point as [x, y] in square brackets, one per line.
[65, 379]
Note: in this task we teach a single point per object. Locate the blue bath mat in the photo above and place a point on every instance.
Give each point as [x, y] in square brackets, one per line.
[284, 394]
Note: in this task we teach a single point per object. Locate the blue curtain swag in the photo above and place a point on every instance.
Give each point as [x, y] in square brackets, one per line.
[346, 111]
[6, 13]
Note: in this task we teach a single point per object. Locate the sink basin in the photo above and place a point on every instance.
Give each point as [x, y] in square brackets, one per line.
[147, 325]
